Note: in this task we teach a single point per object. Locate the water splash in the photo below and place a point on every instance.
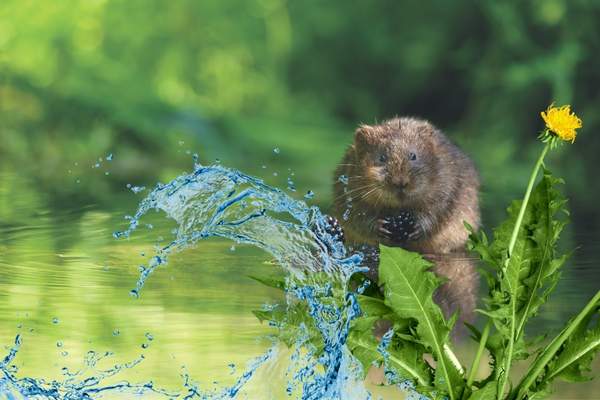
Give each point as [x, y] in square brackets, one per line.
[218, 202]
[86, 383]
[214, 201]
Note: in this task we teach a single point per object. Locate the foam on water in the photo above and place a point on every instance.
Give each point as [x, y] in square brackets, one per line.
[214, 201]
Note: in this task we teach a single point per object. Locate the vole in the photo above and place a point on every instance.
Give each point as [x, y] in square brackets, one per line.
[404, 183]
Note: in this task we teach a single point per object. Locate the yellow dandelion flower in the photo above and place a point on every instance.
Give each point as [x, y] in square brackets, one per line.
[562, 122]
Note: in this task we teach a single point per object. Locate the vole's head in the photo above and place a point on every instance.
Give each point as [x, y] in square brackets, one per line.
[397, 160]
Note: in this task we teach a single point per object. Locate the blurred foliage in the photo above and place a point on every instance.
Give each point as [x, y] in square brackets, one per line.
[154, 82]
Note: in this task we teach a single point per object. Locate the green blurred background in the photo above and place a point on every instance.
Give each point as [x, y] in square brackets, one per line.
[154, 82]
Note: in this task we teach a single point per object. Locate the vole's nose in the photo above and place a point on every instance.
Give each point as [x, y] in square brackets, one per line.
[400, 182]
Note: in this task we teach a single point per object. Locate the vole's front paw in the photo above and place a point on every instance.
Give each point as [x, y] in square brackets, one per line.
[398, 228]
[416, 234]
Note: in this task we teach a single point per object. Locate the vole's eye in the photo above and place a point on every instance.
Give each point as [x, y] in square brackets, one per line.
[382, 158]
[412, 156]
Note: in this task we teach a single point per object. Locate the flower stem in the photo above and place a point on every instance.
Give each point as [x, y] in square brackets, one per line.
[511, 245]
[534, 174]
[482, 342]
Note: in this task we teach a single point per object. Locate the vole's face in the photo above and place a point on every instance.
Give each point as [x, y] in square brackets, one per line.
[397, 159]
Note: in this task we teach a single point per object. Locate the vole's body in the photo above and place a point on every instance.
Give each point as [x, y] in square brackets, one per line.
[406, 166]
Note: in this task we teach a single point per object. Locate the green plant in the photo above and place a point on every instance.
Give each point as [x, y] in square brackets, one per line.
[522, 268]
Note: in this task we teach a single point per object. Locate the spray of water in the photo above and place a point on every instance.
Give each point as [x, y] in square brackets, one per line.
[214, 201]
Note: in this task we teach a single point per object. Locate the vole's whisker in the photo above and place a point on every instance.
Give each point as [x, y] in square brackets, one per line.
[365, 195]
[378, 199]
[358, 189]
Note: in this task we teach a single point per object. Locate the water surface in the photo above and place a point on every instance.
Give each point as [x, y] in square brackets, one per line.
[65, 283]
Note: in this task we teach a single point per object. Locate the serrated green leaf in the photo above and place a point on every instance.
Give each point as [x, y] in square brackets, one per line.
[373, 307]
[409, 286]
[406, 359]
[522, 282]
[569, 353]
[487, 392]
[574, 360]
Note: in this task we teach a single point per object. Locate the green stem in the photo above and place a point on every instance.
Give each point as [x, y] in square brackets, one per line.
[511, 245]
[534, 174]
[544, 358]
[482, 342]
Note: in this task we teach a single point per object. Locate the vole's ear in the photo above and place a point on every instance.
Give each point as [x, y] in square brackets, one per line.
[365, 134]
[427, 129]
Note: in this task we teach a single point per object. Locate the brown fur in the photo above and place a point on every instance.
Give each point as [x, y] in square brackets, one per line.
[440, 189]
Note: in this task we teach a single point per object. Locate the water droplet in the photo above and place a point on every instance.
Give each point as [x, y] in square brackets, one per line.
[137, 189]
[346, 215]
[149, 336]
[276, 150]
[134, 293]
[109, 157]
[55, 320]
[275, 174]
[116, 332]
[309, 195]
[107, 173]
[232, 248]
[59, 343]
[290, 185]
[343, 179]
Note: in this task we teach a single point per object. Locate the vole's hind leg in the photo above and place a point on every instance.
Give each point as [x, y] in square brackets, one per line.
[460, 292]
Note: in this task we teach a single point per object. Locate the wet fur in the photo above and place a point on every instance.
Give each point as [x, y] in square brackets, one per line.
[440, 189]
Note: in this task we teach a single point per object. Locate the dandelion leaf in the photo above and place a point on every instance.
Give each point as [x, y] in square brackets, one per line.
[487, 392]
[405, 359]
[409, 286]
[572, 362]
[519, 285]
